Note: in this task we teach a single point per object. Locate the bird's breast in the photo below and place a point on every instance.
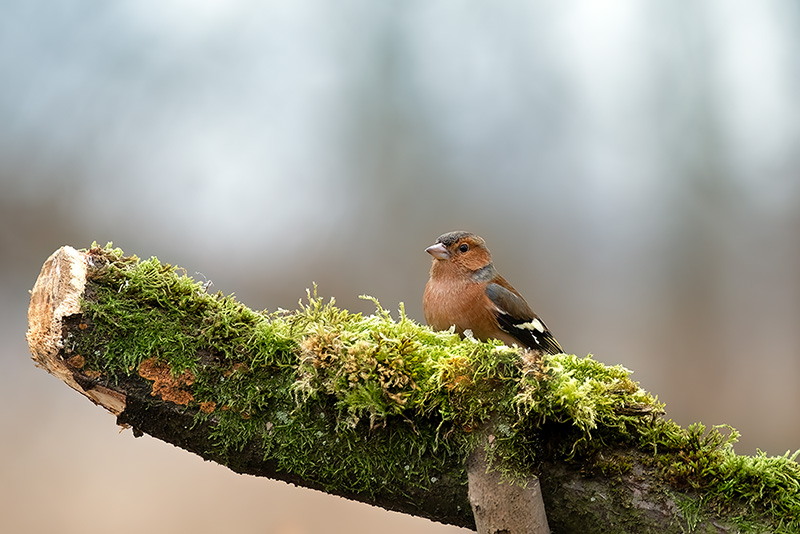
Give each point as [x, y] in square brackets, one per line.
[460, 304]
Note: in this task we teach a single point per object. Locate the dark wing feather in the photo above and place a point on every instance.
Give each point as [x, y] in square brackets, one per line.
[517, 319]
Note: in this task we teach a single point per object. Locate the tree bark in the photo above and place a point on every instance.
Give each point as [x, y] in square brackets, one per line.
[149, 401]
[503, 506]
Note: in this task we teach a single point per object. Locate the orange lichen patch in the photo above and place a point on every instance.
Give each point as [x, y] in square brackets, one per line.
[165, 385]
[208, 406]
[76, 362]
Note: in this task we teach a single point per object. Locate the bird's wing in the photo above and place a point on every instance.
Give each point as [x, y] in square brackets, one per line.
[517, 319]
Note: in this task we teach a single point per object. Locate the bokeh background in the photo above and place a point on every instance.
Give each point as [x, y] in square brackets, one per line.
[632, 165]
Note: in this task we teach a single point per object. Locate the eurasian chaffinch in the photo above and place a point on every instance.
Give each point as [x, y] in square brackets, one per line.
[466, 290]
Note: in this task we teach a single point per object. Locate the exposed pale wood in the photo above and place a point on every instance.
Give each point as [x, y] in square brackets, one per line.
[55, 296]
[501, 506]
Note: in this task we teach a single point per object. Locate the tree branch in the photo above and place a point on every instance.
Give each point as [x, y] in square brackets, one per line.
[387, 412]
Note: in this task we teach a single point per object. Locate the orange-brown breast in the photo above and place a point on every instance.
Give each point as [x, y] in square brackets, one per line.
[462, 303]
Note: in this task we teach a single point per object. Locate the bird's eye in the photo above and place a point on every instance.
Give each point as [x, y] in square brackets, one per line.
[464, 247]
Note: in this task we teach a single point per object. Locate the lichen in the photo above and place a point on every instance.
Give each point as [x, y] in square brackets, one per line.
[167, 385]
[314, 385]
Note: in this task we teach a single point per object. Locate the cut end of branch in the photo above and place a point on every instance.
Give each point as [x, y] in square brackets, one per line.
[56, 295]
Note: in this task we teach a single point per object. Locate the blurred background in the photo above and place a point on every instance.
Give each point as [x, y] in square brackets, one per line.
[634, 167]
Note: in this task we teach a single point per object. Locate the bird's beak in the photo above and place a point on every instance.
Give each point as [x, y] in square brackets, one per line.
[438, 251]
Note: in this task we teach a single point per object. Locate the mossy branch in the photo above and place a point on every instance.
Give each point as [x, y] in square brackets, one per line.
[386, 411]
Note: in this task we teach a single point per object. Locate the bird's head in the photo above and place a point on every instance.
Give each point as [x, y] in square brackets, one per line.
[459, 250]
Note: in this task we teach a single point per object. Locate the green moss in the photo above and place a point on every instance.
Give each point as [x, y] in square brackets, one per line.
[328, 382]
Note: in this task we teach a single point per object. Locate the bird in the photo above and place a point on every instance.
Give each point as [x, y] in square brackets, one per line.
[465, 292]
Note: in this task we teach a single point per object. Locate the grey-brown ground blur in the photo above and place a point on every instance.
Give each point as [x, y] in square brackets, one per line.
[632, 166]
